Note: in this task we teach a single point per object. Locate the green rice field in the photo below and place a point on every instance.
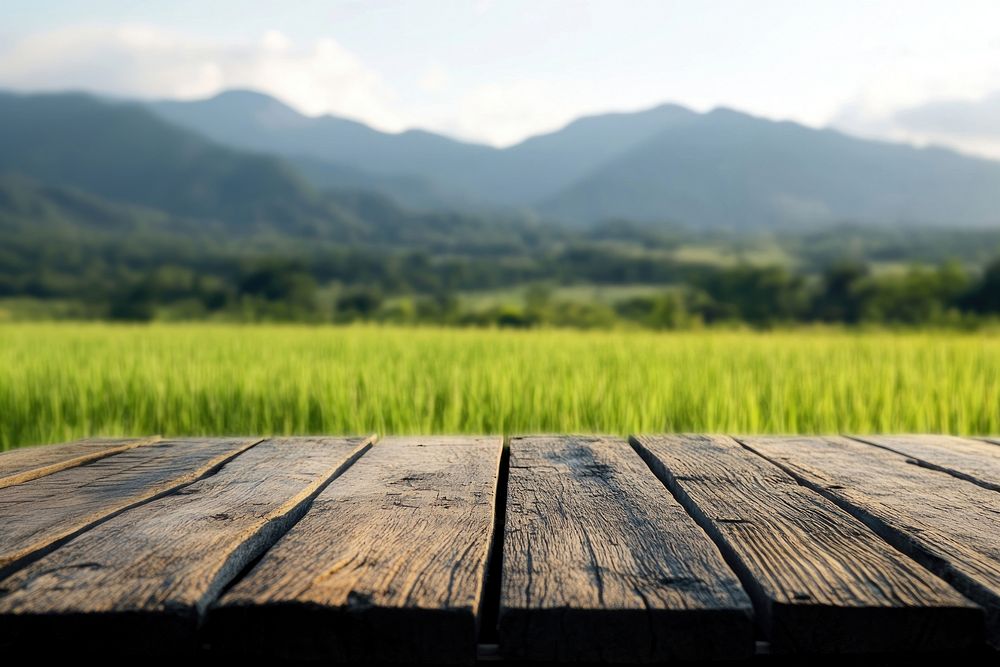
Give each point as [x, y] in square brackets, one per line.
[63, 381]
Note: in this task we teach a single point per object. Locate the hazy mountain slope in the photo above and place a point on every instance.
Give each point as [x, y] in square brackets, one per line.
[29, 206]
[544, 164]
[125, 153]
[251, 120]
[85, 164]
[667, 164]
[254, 120]
[413, 191]
[34, 212]
[729, 169]
[420, 168]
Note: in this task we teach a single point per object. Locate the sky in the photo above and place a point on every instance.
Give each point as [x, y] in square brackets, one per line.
[927, 72]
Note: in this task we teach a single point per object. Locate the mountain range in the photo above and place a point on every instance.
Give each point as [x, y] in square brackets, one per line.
[249, 162]
[721, 168]
[75, 162]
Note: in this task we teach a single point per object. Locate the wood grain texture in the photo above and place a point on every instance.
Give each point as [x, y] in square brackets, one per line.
[821, 581]
[972, 460]
[40, 514]
[387, 565]
[600, 563]
[147, 575]
[949, 525]
[27, 463]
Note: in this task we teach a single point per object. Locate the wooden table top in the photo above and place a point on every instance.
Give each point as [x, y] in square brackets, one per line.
[453, 549]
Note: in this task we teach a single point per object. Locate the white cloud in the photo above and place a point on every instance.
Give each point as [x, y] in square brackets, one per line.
[143, 61]
[970, 125]
[435, 79]
[486, 93]
[321, 77]
[504, 113]
[275, 40]
[929, 95]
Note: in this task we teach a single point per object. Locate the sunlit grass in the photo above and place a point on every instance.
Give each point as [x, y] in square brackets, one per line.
[62, 381]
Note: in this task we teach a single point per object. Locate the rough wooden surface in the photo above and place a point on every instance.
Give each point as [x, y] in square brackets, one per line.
[600, 563]
[391, 562]
[27, 463]
[821, 581]
[39, 514]
[147, 575]
[973, 460]
[949, 525]
[387, 565]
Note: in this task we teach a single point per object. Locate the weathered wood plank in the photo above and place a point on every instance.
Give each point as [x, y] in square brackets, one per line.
[600, 563]
[147, 575]
[949, 525]
[821, 581]
[27, 463]
[972, 460]
[40, 514]
[387, 565]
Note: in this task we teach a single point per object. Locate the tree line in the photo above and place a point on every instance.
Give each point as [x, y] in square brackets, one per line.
[354, 284]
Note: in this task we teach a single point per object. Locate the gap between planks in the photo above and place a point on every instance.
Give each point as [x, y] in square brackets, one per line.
[602, 564]
[42, 514]
[27, 463]
[148, 575]
[945, 523]
[389, 564]
[976, 461]
[821, 580]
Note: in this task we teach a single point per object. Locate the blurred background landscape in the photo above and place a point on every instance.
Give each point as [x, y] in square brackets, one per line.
[237, 207]
[726, 170]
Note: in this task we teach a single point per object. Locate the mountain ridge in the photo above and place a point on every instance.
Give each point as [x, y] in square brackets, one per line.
[244, 157]
[466, 171]
[128, 160]
[660, 164]
[727, 168]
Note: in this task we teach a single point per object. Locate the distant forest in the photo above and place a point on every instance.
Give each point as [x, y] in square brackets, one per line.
[842, 275]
